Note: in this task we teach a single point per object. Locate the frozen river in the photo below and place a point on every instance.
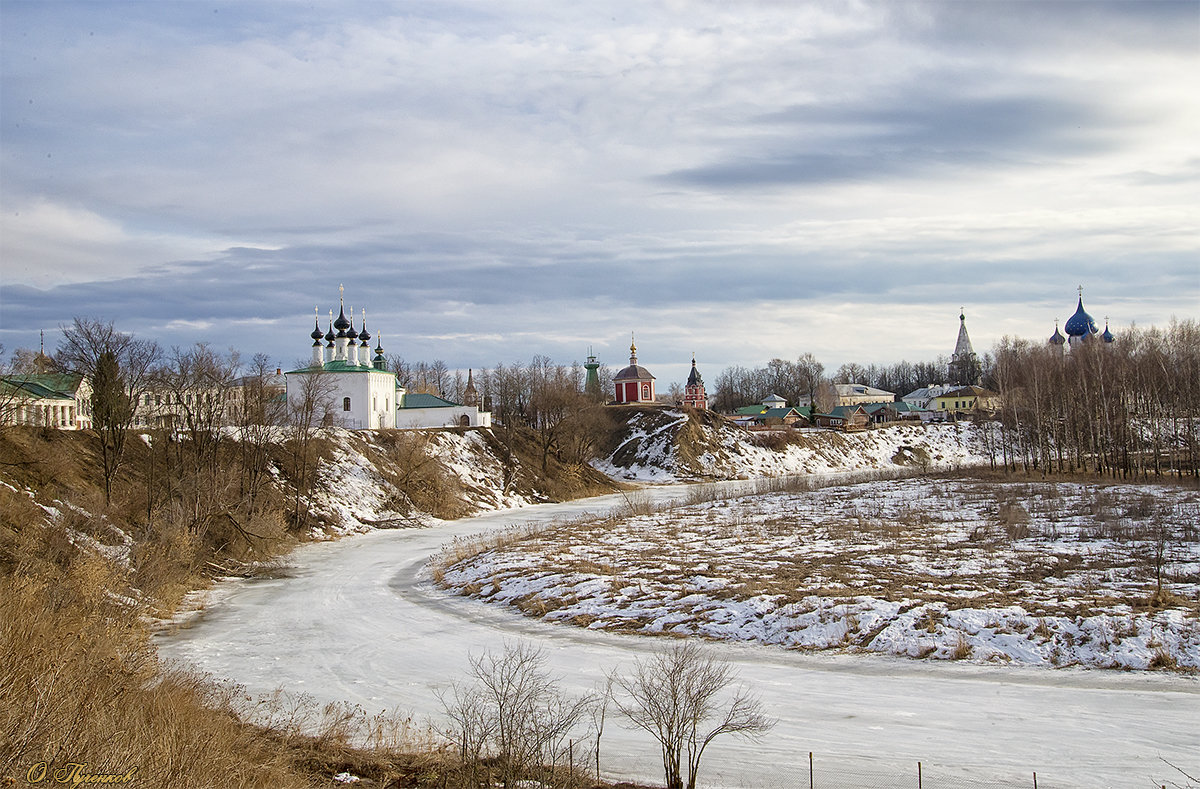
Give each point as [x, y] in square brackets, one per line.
[358, 620]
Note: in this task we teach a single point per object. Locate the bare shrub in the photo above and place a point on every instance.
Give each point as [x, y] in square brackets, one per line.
[1015, 520]
[511, 723]
[675, 695]
[1163, 659]
[701, 494]
[636, 504]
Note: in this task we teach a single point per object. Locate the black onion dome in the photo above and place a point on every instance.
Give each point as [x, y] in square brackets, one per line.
[1107, 336]
[1080, 324]
[1057, 338]
[364, 335]
[316, 332]
[694, 378]
[341, 324]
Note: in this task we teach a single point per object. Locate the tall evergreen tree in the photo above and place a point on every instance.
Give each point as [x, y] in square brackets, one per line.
[111, 415]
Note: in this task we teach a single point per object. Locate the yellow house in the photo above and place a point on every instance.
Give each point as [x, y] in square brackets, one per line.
[965, 400]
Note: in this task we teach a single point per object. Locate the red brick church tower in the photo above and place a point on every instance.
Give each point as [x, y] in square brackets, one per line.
[693, 393]
[634, 384]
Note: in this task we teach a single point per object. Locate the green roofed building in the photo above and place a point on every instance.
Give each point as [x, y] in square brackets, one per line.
[60, 400]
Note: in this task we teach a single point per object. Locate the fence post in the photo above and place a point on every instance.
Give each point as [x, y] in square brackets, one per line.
[920, 784]
[1035, 779]
[810, 770]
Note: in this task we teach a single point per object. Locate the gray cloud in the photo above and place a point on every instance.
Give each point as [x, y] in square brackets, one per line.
[909, 135]
[495, 181]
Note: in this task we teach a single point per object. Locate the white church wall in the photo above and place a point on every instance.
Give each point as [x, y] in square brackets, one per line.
[413, 418]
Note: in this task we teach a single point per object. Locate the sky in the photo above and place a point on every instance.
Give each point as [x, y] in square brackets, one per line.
[501, 179]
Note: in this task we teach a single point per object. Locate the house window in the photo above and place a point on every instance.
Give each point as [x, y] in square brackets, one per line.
[345, 403]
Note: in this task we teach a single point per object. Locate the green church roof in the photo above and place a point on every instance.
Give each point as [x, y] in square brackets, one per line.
[422, 400]
[339, 367]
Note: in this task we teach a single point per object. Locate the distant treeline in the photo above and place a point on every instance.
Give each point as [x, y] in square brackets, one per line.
[1127, 408]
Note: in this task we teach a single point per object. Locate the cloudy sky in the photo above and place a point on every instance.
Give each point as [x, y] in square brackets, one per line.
[493, 180]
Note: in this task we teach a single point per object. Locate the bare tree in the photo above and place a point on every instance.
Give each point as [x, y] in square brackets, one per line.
[120, 369]
[599, 712]
[199, 383]
[10, 392]
[514, 712]
[678, 696]
[310, 406]
[850, 373]
[261, 407]
[26, 361]
[825, 398]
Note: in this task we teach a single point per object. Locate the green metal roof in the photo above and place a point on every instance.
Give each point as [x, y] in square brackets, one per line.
[780, 413]
[43, 387]
[339, 367]
[422, 400]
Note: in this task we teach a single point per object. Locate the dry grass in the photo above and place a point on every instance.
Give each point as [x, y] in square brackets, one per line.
[80, 683]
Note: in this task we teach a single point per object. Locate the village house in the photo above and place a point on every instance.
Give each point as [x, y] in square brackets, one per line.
[884, 413]
[854, 394]
[853, 417]
[860, 394]
[772, 412]
[965, 400]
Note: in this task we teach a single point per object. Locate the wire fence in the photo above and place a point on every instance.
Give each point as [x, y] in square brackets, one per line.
[840, 771]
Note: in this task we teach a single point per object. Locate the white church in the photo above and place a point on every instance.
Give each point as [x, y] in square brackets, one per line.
[357, 391]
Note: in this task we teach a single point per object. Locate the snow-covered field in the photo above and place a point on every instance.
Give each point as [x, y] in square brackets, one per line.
[1044, 573]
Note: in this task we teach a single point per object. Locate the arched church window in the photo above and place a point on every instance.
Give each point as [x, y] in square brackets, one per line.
[645, 391]
[345, 403]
